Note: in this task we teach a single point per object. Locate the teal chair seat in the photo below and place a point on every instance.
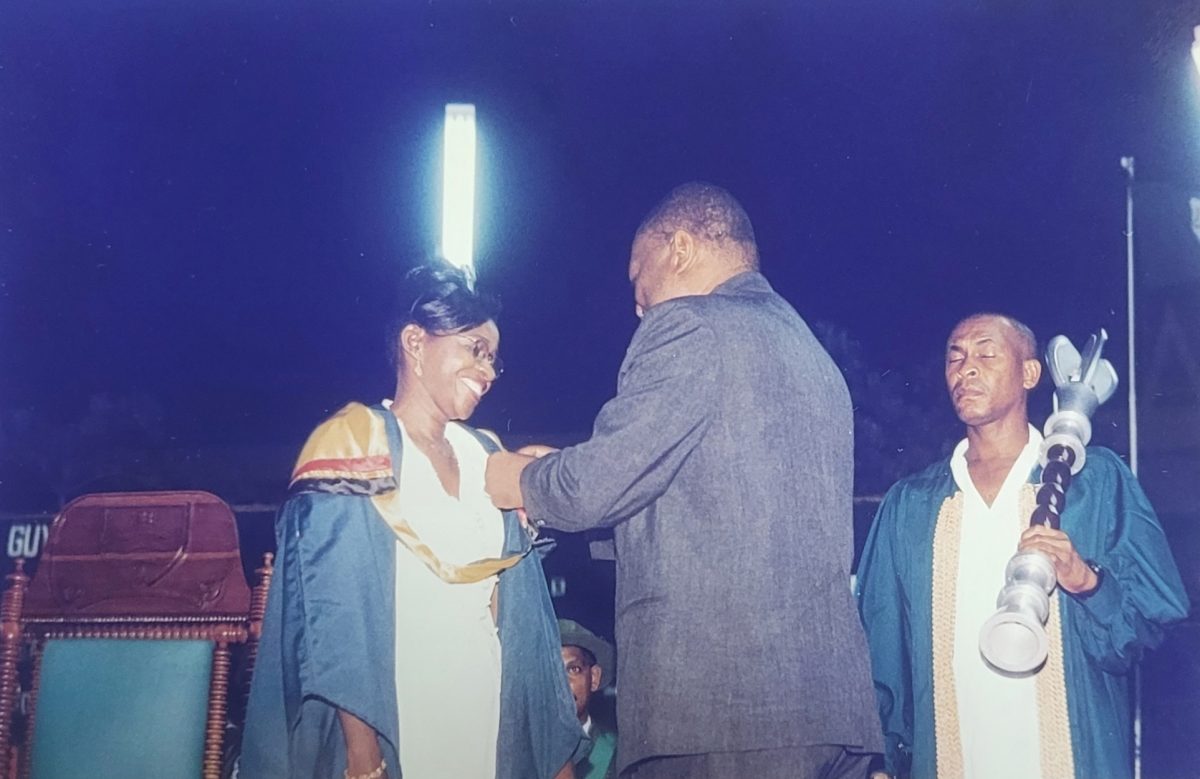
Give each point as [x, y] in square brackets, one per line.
[121, 709]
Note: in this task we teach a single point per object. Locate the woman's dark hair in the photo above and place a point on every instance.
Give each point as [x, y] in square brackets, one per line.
[439, 299]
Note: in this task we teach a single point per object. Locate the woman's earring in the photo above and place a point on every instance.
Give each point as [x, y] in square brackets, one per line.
[417, 369]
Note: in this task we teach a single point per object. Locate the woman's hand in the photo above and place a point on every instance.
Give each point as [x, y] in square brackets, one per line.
[362, 746]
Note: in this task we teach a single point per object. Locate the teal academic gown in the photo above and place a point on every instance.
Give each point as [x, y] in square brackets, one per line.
[1110, 521]
[329, 643]
[599, 763]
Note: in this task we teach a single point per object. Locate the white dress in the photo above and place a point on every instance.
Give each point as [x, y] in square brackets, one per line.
[447, 649]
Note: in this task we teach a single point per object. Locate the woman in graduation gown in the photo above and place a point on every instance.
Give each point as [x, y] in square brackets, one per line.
[409, 631]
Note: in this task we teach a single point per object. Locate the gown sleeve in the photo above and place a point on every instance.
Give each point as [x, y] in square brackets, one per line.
[1140, 592]
[884, 617]
[327, 640]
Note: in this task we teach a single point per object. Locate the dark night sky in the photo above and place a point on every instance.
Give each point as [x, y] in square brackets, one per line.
[208, 202]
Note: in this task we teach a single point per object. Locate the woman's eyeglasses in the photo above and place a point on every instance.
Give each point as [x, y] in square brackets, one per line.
[482, 353]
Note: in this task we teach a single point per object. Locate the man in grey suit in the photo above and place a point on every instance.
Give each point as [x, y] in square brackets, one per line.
[724, 466]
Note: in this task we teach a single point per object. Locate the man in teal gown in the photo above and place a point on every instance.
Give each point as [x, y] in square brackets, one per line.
[1118, 583]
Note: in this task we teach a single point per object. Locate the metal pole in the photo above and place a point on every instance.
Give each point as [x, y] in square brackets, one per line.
[1127, 165]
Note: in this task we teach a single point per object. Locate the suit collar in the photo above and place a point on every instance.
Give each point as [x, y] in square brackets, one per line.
[746, 281]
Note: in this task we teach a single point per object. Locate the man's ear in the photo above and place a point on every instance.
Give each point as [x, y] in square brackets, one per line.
[684, 251]
[597, 673]
[412, 342]
[1031, 373]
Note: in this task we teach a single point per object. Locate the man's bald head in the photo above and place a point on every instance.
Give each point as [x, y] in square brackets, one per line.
[710, 214]
[1024, 341]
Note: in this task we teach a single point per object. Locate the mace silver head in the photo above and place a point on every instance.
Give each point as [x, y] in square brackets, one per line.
[1082, 382]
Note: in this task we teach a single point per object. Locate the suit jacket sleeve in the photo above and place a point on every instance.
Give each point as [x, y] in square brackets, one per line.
[881, 606]
[641, 438]
[1141, 591]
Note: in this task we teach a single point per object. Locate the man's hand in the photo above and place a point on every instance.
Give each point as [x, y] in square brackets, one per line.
[502, 479]
[537, 450]
[1073, 573]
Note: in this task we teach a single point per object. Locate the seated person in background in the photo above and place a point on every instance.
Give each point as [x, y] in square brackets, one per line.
[408, 631]
[591, 666]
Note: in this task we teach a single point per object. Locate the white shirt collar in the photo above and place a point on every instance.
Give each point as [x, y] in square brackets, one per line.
[1017, 475]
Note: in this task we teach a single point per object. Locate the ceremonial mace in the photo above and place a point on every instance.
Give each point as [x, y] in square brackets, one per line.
[1013, 639]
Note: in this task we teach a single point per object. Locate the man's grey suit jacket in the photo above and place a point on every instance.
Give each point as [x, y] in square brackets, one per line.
[725, 466]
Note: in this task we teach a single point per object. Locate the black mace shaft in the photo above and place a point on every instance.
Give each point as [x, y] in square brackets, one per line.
[1056, 479]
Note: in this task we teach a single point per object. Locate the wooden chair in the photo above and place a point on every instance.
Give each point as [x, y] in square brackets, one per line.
[128, 626]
